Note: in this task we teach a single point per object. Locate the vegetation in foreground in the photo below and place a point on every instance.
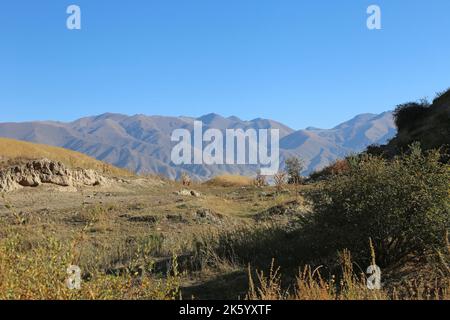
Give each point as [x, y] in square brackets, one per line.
[233, 238]
[316, 241]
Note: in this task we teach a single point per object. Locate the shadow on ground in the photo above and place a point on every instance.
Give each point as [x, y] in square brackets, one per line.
[233, 286]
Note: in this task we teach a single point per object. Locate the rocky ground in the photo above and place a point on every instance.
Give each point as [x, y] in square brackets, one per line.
[119, 216]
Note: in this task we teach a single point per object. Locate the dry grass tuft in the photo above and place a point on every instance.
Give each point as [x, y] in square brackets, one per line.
[230, 181]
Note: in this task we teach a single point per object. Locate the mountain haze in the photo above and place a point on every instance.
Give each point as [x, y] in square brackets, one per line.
[142, 143]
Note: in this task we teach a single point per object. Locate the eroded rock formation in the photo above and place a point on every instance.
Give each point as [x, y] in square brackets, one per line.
[37, 172]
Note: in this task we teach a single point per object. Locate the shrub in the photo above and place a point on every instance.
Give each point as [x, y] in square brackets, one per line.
[402, 205]
[280, 180]
[375, 150]
[337, 167]
[406, 115]
[260, 180]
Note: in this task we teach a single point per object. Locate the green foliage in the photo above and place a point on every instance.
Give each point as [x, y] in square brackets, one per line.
[294, 167]
[406, 115]
[402, 205]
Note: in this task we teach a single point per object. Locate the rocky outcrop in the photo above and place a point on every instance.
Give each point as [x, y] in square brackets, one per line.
[186, 192]
[38, 172]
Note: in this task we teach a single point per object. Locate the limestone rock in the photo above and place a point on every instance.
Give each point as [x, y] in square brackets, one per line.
[44, 171]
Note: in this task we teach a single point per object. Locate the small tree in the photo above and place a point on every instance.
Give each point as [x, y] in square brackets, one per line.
[294, 167]
[280, 180]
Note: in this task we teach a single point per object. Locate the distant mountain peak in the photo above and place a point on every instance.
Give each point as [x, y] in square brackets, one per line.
[234, 118]
[360, 118]
[109, 115]
[312, 129]
[210, 117]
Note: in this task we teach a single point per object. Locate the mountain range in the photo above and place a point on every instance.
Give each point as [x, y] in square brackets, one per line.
[143, 143]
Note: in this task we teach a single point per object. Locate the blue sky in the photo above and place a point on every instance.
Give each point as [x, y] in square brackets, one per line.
[304, 63]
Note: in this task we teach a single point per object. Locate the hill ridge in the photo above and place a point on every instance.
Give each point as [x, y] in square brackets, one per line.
[142, 143]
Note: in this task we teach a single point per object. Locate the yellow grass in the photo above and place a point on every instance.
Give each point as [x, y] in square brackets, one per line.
[13, 149]
[310, 285]
[230, 181]
[40, 273]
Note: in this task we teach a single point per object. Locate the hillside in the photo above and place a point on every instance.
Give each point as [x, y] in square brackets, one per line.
[13, 151]
[421, 122]
[142, 143]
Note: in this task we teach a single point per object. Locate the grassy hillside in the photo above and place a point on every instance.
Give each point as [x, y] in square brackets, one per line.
[424, 122]
[12, 151]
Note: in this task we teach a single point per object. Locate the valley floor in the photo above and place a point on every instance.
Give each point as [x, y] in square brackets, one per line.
[138, 223]
[181, 238]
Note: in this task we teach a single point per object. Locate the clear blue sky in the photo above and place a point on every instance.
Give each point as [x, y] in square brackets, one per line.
[304, 63]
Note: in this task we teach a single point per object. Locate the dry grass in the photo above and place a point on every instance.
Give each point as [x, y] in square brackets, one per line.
[230, 181]
[309, 284]
[11, 150]
[34, 260]
[40, 272]
[113, 235]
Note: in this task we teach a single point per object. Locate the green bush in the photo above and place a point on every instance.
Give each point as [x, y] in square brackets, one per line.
[409, 114]
[401, 204]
